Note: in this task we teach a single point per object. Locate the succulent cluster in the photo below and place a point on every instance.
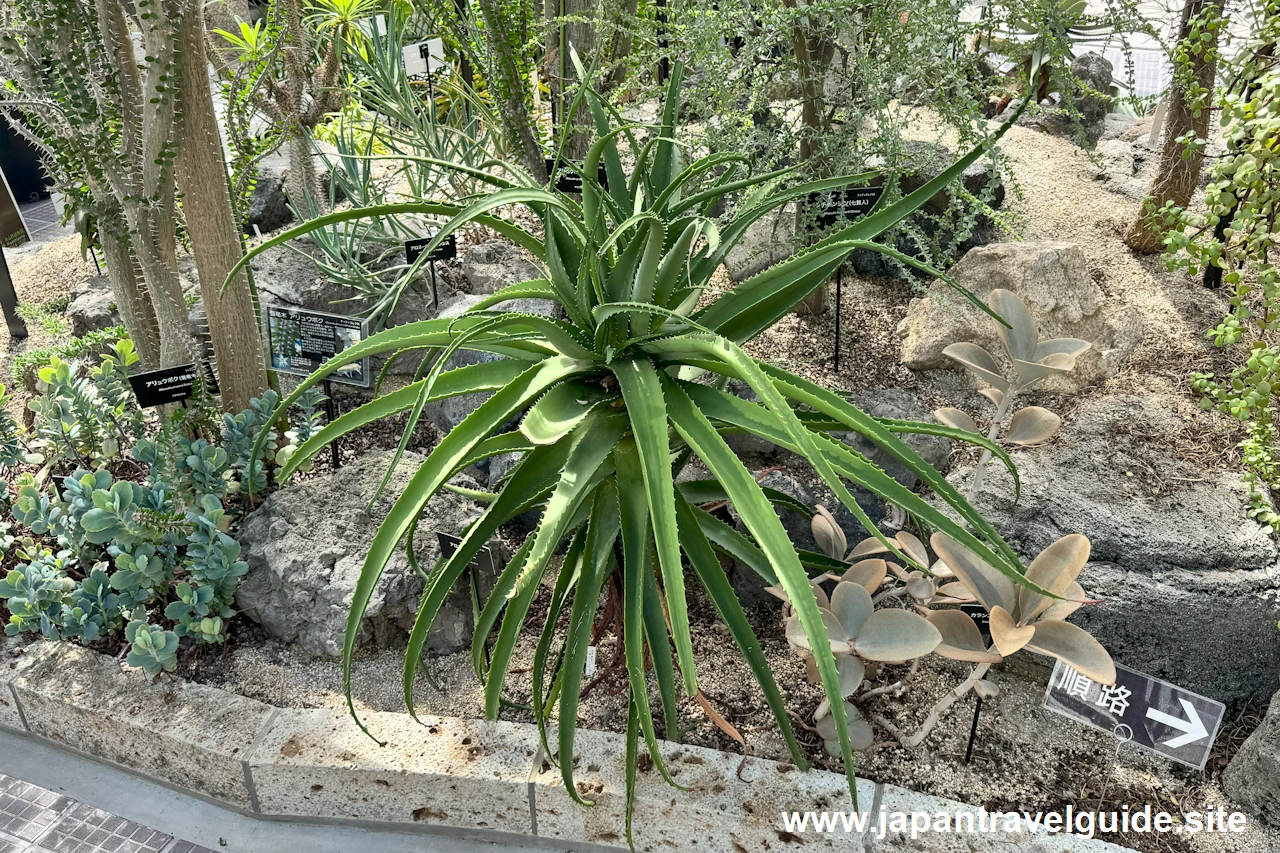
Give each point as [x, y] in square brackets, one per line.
[865, 638]
[123, 525]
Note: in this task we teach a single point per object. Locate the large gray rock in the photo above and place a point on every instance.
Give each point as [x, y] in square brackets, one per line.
[92, 306]
[1252, 779]
[307, 543]
[1176, 557]
[268, 201]
[448, 413]
[1053, 279]
[492, 265]
[1092, 72]
[900, 405]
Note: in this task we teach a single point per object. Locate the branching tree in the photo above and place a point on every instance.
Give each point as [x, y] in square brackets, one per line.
[1186, 120]
[105, 118]
[129, 128]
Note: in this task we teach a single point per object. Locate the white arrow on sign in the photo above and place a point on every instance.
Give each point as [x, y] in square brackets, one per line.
[1192, 727]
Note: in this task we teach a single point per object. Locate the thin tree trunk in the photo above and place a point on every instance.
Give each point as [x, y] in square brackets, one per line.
[1177, 175]
[131, 297]
[511, 90]
[211, 226]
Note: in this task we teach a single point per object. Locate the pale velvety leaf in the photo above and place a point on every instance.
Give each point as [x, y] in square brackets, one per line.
[1032, 425]
[978, 362]
[995, 395]
[912, 547]
[1072, 600]
[865, 548]
[1020, 336]
[1053, 570]
[953, 417]
[840, 644]
[795, 634]
[868, 574]
[851, 604]
[860, 734]
[1073, 645]
[819, 593]
[1006, 634]
[920, 588]
[823, 709]
[778, 592]
[897, 571]
[1032, 371]
[986, 689]
[961, 639]
[827, 533]
[987, 584]
[893, 636]
[956, 590]
[1073, 347]
[941, 570]
[851, 671]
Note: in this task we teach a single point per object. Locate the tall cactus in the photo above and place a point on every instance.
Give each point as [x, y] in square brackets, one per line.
[211, 225]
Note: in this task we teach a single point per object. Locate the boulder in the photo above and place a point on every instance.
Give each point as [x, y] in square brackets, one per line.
[492, 265]
[902, 405]
[1175, 555]
[1053, 279]
[307, 543]
[1093, 75]
[268, 201]
[448, 413]
[92, 306]
[1252, 779]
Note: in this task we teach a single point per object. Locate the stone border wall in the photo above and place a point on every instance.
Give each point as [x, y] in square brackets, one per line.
[442, 775]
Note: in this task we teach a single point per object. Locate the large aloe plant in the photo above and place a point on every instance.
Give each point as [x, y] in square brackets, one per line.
[611, 412]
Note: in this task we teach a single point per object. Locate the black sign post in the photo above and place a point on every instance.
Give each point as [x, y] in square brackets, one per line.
[982, 619]
[447, 249]
[13, 233]
[300, 341]
[834, 206]
[1154, 714]
[485, 558]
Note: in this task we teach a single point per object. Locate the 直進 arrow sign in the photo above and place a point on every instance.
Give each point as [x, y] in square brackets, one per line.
[1156, 715]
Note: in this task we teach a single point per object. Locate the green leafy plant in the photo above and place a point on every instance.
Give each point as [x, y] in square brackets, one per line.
[121, 531]
[610, 413]
[1232, 242]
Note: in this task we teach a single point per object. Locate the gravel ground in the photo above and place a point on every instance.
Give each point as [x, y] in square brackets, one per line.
[1022, 756]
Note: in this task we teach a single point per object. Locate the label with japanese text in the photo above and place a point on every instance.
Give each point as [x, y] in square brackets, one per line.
[1156, 715]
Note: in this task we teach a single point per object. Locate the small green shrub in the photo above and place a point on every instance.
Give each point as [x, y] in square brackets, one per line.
[125, 524]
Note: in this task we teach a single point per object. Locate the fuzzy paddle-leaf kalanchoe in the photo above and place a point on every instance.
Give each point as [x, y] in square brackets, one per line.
[610, 411]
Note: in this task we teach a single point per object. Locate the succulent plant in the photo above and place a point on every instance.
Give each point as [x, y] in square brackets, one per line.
[1024, 619]
[863, 638]
[1031, 360]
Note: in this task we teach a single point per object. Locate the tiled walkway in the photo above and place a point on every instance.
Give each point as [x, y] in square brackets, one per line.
[34, 820]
